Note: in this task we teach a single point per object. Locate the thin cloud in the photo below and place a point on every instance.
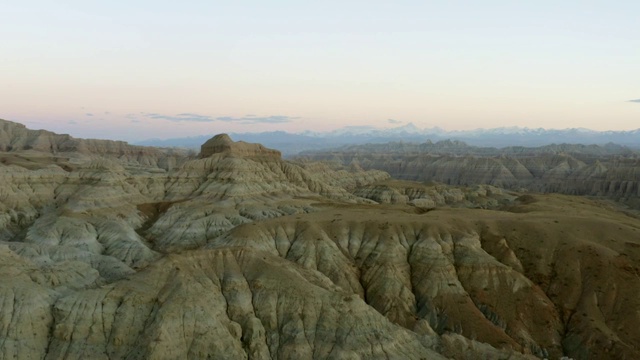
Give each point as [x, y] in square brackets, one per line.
[185, 117]
[635, 100]
[72, 122]
[252, 119]
[88, 114]
[394, 121]
[247, 119]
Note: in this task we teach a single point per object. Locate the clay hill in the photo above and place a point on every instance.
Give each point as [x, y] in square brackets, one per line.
[239, 254]
[609, 170]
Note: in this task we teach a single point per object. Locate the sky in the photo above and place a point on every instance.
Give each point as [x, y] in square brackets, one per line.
[135, 70]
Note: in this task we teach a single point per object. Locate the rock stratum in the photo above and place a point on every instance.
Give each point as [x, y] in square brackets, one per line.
[238, 254]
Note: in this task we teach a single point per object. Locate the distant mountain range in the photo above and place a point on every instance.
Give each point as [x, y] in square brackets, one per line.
[294, 143]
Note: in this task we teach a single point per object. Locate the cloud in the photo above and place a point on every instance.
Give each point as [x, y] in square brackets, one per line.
[394, 121]
[88, 114]
[252, 119]
[185, 117]
[247, 119]
[72, 122]
[635, 100]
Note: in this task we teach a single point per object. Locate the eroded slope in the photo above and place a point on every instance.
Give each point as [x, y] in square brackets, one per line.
[554, 276]
[240, 254]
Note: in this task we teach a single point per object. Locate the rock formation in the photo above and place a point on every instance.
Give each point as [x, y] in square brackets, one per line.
[568, 169]
[64, 148]
[222, 143]
[241, 254]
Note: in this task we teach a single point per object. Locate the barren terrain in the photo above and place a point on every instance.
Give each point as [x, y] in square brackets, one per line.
[111, 251]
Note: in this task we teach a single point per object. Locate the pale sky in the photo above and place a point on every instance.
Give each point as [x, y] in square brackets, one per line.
[135, 70]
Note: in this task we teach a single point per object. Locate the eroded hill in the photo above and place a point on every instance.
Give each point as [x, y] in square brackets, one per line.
[612, 171]
[240, 254]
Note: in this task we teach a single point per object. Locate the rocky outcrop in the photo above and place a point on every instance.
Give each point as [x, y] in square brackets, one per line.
[222, 143]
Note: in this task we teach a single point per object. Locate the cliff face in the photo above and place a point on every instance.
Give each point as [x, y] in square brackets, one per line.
[241, 254]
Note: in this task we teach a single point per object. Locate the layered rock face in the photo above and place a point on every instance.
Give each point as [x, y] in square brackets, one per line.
[240, 254]
[568, 169]
[222, 143]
